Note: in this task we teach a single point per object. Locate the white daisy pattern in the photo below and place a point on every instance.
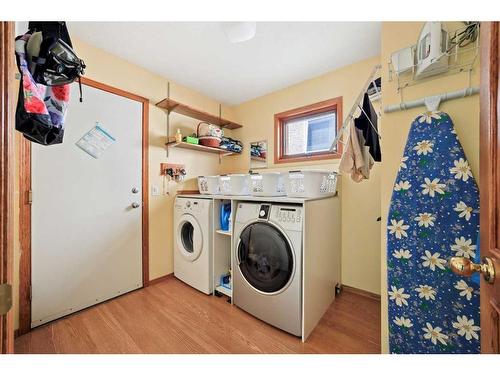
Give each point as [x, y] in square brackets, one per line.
[424, 147]
[426, 291]
[465, 290]
[433, 260]
[465, 327]
[402, 186]
[398, 296]
[434, 334]
[428, 116]
[461, 170]
[398, 228]
[433, 215]
[403, 322]
[464, 248]
[425, 219]
[432, 187]
[401, 254]
[402, 163]
[463, 210]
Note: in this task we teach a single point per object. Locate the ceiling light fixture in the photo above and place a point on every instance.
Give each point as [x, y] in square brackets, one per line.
[237, 32]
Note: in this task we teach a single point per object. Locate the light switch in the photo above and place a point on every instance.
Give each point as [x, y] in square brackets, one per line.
[155, 191]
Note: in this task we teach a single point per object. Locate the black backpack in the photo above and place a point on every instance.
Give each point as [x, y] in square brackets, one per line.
[51, 58]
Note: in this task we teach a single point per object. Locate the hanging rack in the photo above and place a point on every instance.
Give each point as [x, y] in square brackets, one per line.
[432, 102]
[356, 106]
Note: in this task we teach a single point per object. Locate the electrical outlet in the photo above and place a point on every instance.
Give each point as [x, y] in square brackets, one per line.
[155, 191]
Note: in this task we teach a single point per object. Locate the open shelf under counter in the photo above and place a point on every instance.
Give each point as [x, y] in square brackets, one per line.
[223, 290]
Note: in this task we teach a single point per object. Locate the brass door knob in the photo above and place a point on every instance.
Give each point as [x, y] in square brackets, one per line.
[465, 267]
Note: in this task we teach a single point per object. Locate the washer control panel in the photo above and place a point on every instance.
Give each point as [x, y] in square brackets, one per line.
[289, 217]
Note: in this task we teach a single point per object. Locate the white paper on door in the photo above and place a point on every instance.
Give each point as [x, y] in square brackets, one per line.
[96, 141]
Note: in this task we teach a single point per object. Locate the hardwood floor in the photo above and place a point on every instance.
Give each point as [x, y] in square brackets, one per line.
[170, 317]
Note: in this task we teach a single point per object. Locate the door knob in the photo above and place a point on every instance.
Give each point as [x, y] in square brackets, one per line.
[465, 267]
[135, 205]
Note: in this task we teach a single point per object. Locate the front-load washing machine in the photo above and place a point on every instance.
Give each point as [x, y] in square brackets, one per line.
[267, 274]
[193, 242]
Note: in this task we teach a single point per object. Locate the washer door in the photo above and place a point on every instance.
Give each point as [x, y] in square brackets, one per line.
[189, 238]
[265, 257]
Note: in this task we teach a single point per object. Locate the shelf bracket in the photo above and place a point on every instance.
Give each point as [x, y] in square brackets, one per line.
[168, 116]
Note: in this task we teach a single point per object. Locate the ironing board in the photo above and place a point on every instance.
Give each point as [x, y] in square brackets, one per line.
[434, 215]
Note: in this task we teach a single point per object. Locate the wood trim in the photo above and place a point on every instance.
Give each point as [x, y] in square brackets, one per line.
[25, 207]
[113, 90]
[188, 192]
[145, 192]
[24, 157]
[161, 279]
[7, 157]
[361, 292]
[326, 105]
[489, 179]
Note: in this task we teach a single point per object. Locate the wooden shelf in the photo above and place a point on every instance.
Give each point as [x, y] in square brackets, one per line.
[174, 106]
[257, 158]
[211, 150]
[224, 232]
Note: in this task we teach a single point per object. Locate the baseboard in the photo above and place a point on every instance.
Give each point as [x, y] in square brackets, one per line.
[160, 279]
[361, 292]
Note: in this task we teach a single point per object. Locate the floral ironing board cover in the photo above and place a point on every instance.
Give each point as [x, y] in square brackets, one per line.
[434, 215]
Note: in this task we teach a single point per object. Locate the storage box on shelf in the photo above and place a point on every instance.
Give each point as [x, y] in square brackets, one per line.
[208, 185]
[269, 184]
[235, 184]
[311, 183]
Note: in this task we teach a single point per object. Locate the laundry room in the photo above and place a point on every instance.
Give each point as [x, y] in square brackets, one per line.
[244, 188]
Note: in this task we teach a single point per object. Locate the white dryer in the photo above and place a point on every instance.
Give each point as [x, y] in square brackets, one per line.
[193, 242]
[267, 270]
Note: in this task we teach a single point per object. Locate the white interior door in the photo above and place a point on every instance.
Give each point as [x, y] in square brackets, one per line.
[86, 235]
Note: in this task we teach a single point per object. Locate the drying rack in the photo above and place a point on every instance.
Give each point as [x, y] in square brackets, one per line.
[357, 105]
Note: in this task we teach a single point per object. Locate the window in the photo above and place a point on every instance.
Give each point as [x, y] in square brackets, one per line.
[307, 133]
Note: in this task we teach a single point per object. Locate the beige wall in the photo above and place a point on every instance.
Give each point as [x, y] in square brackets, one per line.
[464, 113]
[360, 202]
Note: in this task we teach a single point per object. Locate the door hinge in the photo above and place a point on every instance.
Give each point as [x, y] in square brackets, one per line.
[30, 196]
[5, 298]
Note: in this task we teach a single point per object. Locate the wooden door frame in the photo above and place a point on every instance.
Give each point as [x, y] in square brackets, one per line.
[25, 206]
[489, 179]
[7, 177]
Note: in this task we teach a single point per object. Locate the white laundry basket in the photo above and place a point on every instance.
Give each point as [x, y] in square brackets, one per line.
[271, 184]
[234, 184]
[311, 183]
[208, 184]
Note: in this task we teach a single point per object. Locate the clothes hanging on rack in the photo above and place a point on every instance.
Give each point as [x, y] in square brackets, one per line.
[367, 123]
[434, 215]
[356, 159]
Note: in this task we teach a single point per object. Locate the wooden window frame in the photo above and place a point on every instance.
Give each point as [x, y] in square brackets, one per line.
[334, 104]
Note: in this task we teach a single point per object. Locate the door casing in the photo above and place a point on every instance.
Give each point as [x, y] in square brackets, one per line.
[25, 206]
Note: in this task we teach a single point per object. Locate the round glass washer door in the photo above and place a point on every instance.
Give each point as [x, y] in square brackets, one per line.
[265, 257]
[189, 238]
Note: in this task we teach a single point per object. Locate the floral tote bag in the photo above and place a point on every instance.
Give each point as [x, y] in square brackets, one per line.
[434, 215]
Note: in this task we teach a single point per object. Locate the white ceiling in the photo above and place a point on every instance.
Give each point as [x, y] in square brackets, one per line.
[198, 54]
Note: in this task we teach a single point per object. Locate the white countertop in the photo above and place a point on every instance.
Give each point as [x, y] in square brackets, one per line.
[250, 198]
